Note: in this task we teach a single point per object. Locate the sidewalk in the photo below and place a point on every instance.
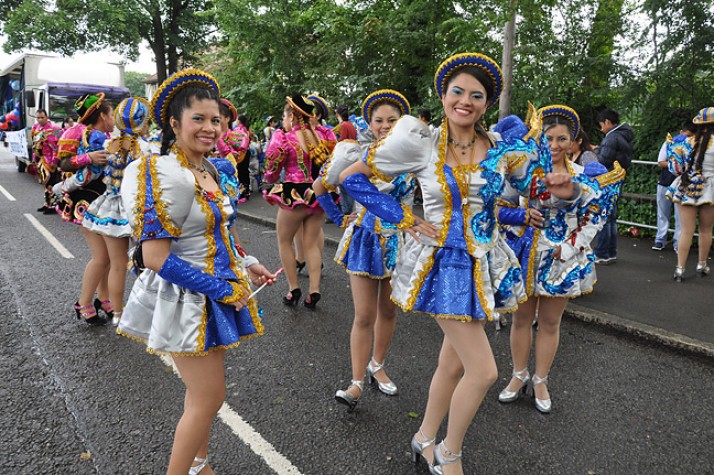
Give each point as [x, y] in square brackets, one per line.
[636, 295]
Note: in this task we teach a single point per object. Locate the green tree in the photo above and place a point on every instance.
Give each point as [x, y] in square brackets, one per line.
[174, 29]
[134, 82]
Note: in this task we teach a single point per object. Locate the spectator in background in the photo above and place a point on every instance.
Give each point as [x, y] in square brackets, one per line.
[582, 150]
[345, 131]
[45, 137]
[67, 122]
[243, 167]
[425, 116]
[269, 129]
[664, 205]
[616, 146]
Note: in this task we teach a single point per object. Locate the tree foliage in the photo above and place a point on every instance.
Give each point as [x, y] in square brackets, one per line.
[134, 82]
[174, 29]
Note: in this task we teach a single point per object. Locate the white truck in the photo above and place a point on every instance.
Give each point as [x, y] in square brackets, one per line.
[37, 81]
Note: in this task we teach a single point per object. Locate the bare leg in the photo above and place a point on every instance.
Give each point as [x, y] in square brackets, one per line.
[706, 221]
[287, 224]
[687, 220]
[364, 295]
[312, 228]
[521, 339]
[447, 375]
[118, 258]
[96, 269]
[474, 351]
[297, 243]
[384, 327]
[550, 313]
[206, 390]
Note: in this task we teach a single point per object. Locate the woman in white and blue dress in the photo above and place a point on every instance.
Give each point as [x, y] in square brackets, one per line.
[553, 244]
[368, 248]
[105, 215]
[454, 265]
[192, 298]
[693, 190]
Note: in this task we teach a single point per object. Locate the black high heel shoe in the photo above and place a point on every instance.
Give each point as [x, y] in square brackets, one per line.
[312, 299]
[294, 298]
[299, 266]
[84, 311]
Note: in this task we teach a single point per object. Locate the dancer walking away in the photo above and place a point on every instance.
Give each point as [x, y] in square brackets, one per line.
[454, 265]
[191, 300]
[295, 151]
[693, 190]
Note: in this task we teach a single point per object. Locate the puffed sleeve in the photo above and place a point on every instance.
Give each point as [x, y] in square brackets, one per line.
[599, 198]
[67, 148]
[406, 149]
[157, 194]
[345, 154]
[679, 154]
[275, 155]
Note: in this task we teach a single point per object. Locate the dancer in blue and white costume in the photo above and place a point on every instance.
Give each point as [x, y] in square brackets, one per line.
[553, 245]
[454, 265]
[192, 299]
[105, 215]
[368, 249]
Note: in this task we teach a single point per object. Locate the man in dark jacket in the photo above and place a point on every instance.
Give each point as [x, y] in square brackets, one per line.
[616, 146]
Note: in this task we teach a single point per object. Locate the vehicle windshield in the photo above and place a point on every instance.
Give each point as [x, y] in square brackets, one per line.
[62, 105]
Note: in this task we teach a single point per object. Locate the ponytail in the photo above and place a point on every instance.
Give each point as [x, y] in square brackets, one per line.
[167, 138]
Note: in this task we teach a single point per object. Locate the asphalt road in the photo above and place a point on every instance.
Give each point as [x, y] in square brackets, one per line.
[82, 400]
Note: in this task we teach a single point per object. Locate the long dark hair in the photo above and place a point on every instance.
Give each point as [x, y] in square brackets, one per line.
[701, 143]
[585, 145]
[180, 102]
[93, 118]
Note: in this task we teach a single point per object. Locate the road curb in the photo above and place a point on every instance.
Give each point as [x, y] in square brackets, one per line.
[639, 330]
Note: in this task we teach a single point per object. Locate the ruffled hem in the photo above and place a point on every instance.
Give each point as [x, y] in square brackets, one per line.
[73, 206]
[292, 195]
[171, 320]
[106, 216]
[363, 253]
[450, 283]
[676, 194]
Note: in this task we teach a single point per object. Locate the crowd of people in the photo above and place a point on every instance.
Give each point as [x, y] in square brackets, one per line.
[509, 214]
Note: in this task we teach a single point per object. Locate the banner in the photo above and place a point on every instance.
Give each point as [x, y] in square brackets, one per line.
[18, 143]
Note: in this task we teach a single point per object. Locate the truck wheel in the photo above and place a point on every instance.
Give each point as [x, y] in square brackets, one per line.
[21, 166]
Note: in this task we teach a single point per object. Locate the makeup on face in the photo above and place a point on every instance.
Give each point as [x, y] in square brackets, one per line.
[199, 128]
[384, 116]
[559, 141]
[465, 100]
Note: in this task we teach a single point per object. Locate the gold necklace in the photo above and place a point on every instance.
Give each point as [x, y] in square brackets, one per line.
[202, 169]
[462, 146]
[464, 183]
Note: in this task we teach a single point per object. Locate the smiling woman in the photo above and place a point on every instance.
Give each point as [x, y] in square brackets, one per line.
[192, 300]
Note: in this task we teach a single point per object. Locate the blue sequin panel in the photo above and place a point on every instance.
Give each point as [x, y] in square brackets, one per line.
[225, 326]
[455, 236]
[152, 225]
[577, 274]
[505, 287]
[483, 223]
[391, 249]
[366, 254]
[449, 288]
[222, 258]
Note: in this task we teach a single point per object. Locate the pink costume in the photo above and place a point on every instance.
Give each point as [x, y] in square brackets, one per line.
[44, 144]
[285, 154]
[233, 144]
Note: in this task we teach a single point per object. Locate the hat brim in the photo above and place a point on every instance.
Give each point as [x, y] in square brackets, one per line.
[173, 84]
[704, 116]
[562, 111]
[321, 104]
[384, 95]
[299, 107]
[92, 108]
[452, 64]
[231, 107]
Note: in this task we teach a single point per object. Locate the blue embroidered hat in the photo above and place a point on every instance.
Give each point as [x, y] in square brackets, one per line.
[562, 111]
[705, 116]
[384, 95]
[321, 104]
[478, 60]
[131, 114]
[173, 84]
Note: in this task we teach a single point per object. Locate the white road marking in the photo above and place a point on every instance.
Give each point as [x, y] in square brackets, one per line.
[50, 238]
[248, 435]
[7, 194]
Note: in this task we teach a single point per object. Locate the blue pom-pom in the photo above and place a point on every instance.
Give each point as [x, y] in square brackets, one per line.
[511, 127]
[594, 169]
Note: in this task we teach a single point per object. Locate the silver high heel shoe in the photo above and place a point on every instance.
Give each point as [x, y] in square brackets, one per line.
[445, 458]
[542, 405]
[390, 389]
[678, 273]
[343, 397]
[418, 451]
[507, 396]
[702, 269]
[116, 318]
[197, 469]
